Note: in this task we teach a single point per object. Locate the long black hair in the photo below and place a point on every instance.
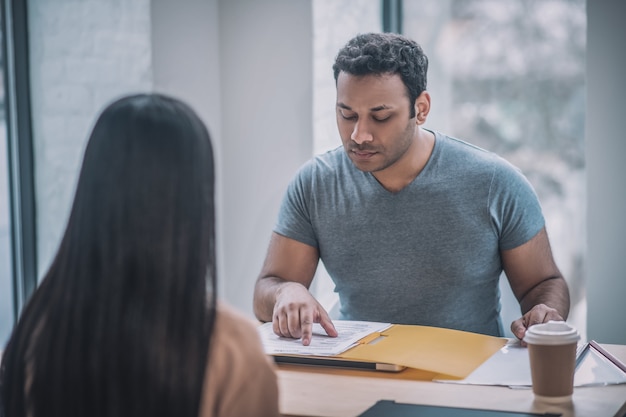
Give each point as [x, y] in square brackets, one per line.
[121, 323]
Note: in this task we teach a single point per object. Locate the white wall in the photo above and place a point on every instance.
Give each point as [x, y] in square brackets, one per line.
[266, 64]
[259, 53]
[606, 171]
[185, 63]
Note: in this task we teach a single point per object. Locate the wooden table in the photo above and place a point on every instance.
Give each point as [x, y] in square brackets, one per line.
[324, 392]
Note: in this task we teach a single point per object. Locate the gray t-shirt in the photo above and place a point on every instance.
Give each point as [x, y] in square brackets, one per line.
[427, 255]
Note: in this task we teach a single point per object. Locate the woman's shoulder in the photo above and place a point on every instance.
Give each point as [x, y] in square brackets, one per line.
[238, 364]
[235, 331]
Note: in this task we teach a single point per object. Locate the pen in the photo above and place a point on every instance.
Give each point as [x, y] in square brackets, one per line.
[607, 355]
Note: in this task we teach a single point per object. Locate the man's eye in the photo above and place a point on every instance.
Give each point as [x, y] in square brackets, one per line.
[347, 116]
[382, 118]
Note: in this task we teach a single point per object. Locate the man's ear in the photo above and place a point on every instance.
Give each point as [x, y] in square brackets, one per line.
[422, 107]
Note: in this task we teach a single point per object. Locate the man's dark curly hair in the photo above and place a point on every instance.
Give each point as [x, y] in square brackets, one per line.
[385, 53]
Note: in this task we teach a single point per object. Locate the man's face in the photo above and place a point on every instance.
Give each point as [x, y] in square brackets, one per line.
[373, 119]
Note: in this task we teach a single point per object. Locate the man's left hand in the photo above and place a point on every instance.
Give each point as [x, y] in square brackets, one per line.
[540, 313]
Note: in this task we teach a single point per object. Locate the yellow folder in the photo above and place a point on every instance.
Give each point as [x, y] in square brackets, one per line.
[447, 353]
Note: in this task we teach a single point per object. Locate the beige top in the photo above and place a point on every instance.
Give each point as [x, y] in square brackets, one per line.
[240, 379]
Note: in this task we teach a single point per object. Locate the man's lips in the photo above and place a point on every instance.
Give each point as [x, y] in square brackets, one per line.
[363, 153]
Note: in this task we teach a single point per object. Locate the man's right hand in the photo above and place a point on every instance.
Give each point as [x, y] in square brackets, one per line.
[295, 312]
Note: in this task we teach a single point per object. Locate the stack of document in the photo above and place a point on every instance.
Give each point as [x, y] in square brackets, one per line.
[350, 332]
[445, 355]
[440, 353]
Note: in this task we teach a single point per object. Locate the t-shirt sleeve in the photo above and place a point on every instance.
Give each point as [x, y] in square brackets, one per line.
[294, 216]
[514, 206]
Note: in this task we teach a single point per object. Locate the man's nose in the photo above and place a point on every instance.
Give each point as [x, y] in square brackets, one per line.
[361, 134]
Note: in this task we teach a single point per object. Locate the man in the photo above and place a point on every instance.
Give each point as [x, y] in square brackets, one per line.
[414, 227]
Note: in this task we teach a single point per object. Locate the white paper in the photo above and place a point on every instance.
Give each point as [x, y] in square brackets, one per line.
[510, 366]
[595, 369]
[321, 344]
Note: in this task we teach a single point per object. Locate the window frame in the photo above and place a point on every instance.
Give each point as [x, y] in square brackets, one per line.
[391, 15]
[22, 207]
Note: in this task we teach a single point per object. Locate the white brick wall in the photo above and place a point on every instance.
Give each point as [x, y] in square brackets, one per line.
[83, 54]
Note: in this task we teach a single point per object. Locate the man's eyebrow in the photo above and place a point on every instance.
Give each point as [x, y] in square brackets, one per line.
[377, 108]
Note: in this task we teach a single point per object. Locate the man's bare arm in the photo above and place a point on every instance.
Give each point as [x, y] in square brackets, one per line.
[281, 293]
[536, 282]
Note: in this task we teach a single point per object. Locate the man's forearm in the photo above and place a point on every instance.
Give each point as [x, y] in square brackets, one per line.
[265, 297]
[552, 292]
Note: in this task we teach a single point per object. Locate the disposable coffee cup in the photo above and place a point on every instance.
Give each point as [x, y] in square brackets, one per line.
[552, 353]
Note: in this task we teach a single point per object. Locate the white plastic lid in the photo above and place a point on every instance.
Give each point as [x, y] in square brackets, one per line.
[551, 333]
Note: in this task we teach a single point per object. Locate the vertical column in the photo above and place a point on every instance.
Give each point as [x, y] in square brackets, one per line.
[606, 170]
[266, 67]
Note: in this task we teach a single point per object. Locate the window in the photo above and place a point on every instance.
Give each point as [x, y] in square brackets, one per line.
[6, 268]
[18, 264]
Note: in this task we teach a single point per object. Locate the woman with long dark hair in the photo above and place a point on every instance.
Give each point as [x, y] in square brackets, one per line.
[126, 321]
